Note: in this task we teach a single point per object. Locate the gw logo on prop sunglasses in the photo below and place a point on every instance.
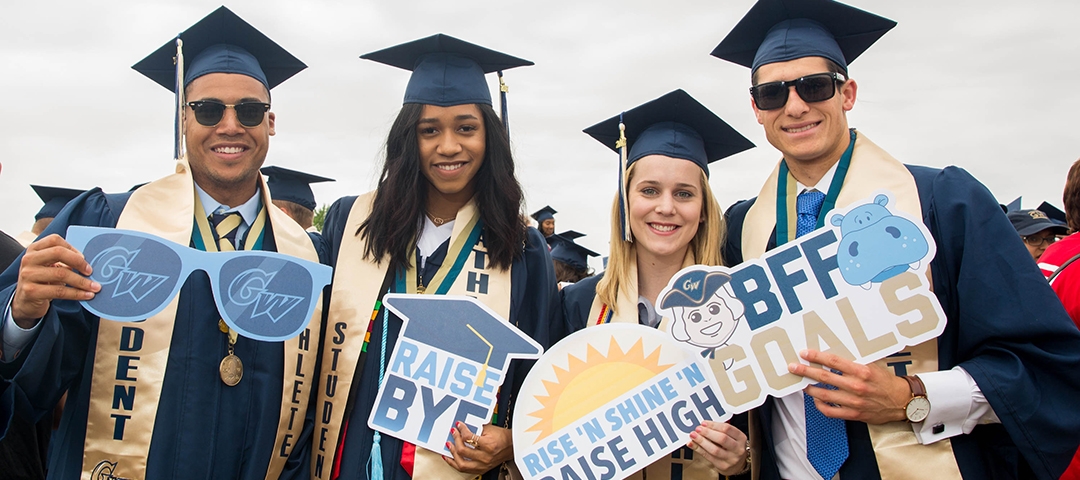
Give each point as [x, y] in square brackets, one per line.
[265, 296]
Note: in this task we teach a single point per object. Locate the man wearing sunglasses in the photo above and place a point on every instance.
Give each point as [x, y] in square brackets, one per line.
[992, 396]
[179, 394]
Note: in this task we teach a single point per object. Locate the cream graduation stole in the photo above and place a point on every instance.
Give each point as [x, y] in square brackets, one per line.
[132, 357]
[355, 291]
[871, 169]
[626, 311]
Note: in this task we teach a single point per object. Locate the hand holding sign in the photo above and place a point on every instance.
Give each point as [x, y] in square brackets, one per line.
[446, 368]
[51, 269]
[485, 450]
[865, 393]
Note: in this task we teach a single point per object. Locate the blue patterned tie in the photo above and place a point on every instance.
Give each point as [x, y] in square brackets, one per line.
[826, 439]
[225, 226]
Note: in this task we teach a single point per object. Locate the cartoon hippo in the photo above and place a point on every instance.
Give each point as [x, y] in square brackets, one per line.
[876, 245]
[705, 311]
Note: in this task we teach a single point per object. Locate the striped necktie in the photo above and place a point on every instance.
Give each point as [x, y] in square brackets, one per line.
[225, 226]
[826, 438]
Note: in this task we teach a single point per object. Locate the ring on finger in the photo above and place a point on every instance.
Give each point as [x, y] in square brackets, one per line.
[473, 442]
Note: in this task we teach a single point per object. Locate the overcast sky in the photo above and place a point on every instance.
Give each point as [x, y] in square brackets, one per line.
[987, 85]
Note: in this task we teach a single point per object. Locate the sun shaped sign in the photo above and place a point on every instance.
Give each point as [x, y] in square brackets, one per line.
[607, 401]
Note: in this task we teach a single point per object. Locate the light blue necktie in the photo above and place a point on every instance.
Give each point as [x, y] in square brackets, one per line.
[826, 438]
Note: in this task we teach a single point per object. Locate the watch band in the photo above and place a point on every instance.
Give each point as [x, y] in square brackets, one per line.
[918, 388]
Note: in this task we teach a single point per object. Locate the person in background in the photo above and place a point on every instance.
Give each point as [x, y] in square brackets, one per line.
[54, 198]
[291, 192]
[571, 260]
[545, 220]
[1036, 229]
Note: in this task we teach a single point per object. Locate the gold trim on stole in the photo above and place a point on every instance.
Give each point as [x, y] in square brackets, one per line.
[872, 169]
[355, 289]
[156, 208]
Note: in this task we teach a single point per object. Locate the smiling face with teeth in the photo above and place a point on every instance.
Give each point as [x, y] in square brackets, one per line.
[808, 134]
[452, 143]
[666, 207]
[225, 159]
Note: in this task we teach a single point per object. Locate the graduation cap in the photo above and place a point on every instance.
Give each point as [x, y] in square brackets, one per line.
[55, 198]
[544, 214]
[462, 326]
[674, 125]
[570, 235]
[1053, 212]
[693, 288]
[782, 30]
[567, 251]
[219, 43]
[446, 71]
[292, 186]
[1012, 206]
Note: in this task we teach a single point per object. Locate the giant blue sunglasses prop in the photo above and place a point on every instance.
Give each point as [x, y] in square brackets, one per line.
[261, 295]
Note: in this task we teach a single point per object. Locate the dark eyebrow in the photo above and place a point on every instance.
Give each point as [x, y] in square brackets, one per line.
[242, 100]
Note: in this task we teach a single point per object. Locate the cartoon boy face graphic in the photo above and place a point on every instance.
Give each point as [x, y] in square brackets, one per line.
[710, 324]
[706, 313]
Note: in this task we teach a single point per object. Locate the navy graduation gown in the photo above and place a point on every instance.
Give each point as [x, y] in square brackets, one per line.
[204, 429]
[1005, 328]
[534, 310]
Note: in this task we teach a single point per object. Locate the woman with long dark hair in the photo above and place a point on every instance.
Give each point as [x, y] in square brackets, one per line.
[664, 219]
[444, 219]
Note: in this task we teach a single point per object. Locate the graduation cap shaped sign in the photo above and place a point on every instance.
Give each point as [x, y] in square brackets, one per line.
[447, 366]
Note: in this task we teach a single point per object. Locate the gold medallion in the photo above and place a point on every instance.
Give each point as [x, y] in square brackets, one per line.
[232, 370]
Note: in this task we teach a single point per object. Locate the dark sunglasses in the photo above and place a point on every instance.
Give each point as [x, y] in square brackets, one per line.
[249, 114]
[811, 88]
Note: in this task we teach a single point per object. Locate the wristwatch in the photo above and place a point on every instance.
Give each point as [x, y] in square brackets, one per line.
[918, 408]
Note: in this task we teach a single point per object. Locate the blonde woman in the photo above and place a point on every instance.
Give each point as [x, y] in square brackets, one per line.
[665, 218]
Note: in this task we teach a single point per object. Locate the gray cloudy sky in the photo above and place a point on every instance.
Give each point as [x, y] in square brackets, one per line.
[987, 85]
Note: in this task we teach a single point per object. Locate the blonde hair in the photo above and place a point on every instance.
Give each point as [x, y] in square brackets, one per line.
[706, 244]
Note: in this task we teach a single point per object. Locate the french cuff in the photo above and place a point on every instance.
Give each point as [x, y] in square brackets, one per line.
[13, 337]
[957, 405]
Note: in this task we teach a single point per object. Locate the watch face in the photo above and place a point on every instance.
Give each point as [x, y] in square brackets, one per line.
[918, 409]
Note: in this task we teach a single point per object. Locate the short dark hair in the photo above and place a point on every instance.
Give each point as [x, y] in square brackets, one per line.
[401, 196]
[297, 212]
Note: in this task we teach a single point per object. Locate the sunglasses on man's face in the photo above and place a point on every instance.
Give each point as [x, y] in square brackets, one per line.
[209, 113]
[811, 88]
[265, 296]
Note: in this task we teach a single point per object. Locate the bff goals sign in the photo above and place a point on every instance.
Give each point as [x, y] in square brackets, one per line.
[857, 288]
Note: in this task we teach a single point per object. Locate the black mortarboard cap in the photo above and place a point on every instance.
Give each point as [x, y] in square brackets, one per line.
[782, 30]
[570, 253]
[463, 326]
[544, 214]
[221, 43]
[446, 71]
[55, 198]
[1053, 212]
[674, 125]
[567, 235]
[292, 186]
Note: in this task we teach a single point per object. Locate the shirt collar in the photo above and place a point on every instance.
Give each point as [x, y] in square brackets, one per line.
[248, 210]
[822, 185]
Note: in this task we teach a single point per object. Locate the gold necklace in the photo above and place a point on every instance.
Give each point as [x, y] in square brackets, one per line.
[439, 221]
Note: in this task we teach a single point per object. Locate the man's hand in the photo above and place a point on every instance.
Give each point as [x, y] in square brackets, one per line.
[45, 274]
[865, 393]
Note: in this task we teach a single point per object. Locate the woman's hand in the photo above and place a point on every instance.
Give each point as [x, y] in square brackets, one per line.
[479, 453]
[723, 445]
